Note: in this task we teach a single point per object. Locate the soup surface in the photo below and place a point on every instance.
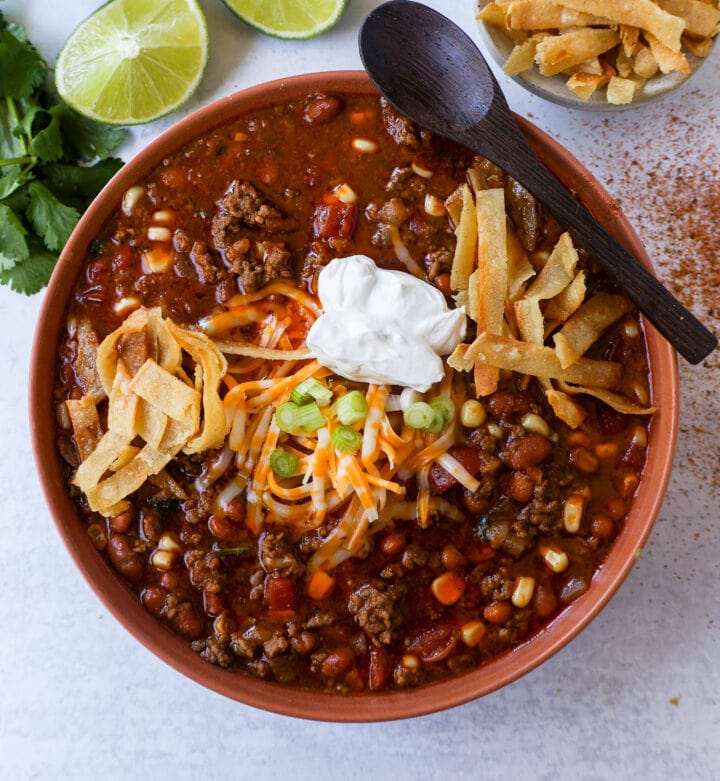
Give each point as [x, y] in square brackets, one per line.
[369, 569]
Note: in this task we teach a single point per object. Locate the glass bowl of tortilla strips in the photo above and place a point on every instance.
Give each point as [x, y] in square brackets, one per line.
[599, 54]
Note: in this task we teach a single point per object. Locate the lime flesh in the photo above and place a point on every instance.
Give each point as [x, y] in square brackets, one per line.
[289, 18]
[133, 61]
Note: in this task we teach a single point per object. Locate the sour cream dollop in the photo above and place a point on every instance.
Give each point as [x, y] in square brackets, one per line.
[380, 326]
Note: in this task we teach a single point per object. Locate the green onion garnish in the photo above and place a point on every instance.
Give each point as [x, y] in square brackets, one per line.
[284, 464]
[419, 415]
[346, 439]
[444, 406]
[438, 423]
[310, 389]
[351, 408]
[291, 417]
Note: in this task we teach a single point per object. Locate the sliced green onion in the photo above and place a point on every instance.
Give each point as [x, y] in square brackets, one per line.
[444, 406]
[346, 439]
[310, 418]
[438, 423]
[284, 464]
[419, 415]
[286, 416]
[351, 408]
[310, 389]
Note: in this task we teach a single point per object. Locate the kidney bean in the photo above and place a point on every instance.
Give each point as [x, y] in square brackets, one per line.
[124, 558]
[303, 643]
[98, 536]
[519, 486]
[153, 598]
[452, 558]
[436, 644]
[121, 523]
[392, 543]
[223, 528]
[544, 601]
[337, 662]
[322, 109]
[474, 503]
[442, 283]
[170, 580]
[506, 405]
[529, 450]
[498, 613]
[378, 669]
[602, 526]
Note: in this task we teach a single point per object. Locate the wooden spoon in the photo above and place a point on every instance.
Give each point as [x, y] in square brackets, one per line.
[433, 73]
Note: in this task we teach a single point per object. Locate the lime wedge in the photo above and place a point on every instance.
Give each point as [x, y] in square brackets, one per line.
[289, 18]
[133, 61]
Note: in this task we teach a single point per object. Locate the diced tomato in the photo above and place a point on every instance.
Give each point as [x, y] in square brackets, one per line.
[472, 458]
[334, 220]
[436, 644]
[280, 593]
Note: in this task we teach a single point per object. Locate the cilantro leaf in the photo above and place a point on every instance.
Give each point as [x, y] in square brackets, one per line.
[52, 220]
[12, 235]
[84, 139]
[32, 274]
[22, 69]
[87, 181]
[47, 144]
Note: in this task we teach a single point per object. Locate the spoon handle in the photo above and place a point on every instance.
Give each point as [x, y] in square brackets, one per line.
[512, 153]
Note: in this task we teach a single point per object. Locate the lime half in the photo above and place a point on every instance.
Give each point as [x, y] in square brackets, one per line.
[133, 61]
[289, 18]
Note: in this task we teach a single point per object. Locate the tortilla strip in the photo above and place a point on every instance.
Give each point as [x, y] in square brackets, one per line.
[668, 61]
[255, 351]
[86, 424]
[558, 53]
[164, 391]
[530, 320]
[91, 470]
[584, 328]
[456, 360]
[214, 366]
[568, 301]
[615, 400]
[566, 408]
[557, 273]
[85, 363]
[519, 267]
[107, 354]
[644, 14]
[125, 481]
[700, 18]
[521, 58]
[540, 361]
[531, 15]
[466, 246]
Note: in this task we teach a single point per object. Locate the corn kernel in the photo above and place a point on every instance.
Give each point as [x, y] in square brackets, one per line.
[639, 437]
[523, 591]
[364, 146]
[536, 424]
[345, 193]
[555, 558]
[434, 206]
[125, 305]
[163, 560]
[472, 413]
[573, 512]
[131, 198]
[163, 217]
[472, 633]
[631, 329]
[420, 170]
[169, 543]
[495, 430]
[158, 233]
[156, 260]
[410, 662]
[448, 588]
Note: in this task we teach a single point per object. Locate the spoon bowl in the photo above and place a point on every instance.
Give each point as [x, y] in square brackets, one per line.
[448, 88]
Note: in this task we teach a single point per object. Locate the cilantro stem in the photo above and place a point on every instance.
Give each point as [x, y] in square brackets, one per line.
[18, 160]
[13, 112]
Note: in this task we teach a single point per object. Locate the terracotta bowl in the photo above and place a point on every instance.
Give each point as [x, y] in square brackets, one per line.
[275, 697]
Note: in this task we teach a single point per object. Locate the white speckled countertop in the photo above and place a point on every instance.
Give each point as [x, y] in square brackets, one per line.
[636, 695]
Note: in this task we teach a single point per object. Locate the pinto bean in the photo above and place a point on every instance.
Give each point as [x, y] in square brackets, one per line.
[153, 599]
[321, 109]
[506, 405]
[544, 601]
[530, 450]
[519, 486]
[124, 558]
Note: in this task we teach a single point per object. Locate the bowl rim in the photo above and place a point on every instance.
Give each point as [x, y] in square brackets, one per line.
[278, 698]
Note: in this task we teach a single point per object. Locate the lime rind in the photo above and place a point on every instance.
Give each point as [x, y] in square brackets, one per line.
[134, 61]
[289, 19]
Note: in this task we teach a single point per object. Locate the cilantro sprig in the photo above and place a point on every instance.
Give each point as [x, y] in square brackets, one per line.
[53, 162]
